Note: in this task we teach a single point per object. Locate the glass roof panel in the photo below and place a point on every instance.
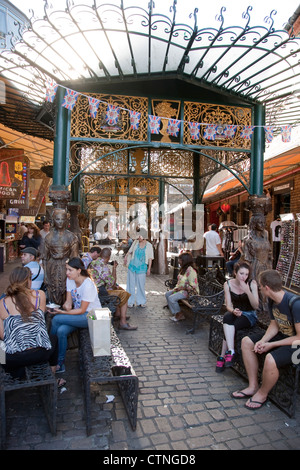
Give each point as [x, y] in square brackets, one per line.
[239, 48]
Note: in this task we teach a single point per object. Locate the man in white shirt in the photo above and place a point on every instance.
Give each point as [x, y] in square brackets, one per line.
[28, 258]
[213, 243]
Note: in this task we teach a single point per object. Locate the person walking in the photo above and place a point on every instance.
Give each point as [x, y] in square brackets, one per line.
[139, 260]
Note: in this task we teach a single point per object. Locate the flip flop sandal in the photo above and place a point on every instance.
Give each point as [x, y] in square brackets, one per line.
[244, 395]
[260, 403]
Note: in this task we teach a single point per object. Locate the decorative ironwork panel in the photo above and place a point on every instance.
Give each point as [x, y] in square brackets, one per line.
[171, 163]
[83, 125]
[143, 186]
[220, 115]
[92, 157]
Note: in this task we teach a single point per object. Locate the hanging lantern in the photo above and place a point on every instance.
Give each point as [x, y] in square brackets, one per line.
[225, 208]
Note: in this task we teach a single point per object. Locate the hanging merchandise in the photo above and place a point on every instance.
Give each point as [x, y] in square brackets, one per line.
[225, 208]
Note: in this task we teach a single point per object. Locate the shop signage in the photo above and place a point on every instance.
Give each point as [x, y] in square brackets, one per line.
[14, 173]
[284, 187]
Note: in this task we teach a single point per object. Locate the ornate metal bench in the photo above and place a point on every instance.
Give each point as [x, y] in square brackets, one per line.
[39, 375]
[208, 302]
[284, 393]
[114, 368]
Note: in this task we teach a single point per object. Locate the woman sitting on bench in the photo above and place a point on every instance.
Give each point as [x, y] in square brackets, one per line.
[241, 300]
[187, 284]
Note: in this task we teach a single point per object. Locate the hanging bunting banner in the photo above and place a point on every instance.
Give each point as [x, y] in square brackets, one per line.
[154, 124]
[135, 117]
[112, 115]
[93, 106]
[286, 133]
[51, 88]
[194, 130]
[269, 131]
[247, 132]
[210, 132]
[173, 127]
[229, 131]
[70, 99]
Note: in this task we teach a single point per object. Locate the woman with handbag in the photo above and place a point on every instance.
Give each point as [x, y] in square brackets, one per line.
[139, 260]
[187, 284]
[82, 296]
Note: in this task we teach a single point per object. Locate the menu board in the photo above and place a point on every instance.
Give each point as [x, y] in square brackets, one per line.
[286, 257]
[14, 173]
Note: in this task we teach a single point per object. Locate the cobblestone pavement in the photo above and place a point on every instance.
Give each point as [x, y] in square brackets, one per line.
[183, 404]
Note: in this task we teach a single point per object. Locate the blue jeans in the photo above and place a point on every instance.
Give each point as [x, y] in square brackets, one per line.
[62, 326]
[172, 299]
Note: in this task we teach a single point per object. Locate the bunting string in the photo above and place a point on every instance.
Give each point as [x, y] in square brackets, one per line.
[211, 131]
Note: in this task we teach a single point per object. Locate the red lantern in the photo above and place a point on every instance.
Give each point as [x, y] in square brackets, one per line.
[225, 208]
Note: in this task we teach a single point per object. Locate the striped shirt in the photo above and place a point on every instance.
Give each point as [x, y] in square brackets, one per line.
[20, 335]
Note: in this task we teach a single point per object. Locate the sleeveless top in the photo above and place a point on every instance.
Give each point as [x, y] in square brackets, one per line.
[242, 302]
[20, 335]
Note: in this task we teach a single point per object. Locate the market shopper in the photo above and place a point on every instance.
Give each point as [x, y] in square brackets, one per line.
[31, 238]
[23, 327]
[242, 301]
[280, 342]
[82, 296]
[213, 243]
[139, 261]
[187, 284]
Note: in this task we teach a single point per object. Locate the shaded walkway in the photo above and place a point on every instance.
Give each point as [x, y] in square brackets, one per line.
[183, 403]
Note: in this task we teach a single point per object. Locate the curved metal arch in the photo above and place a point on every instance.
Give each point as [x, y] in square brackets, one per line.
[150, 145]
[145, 177]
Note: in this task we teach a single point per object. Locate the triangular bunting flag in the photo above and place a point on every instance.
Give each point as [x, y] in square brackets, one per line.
[229, 131]
[286, 133]
[154, 124]
[269, 130]
[93, 106]
[210, 132]
[194, 130]
[135, 117]
[70, 99]
[173, 127]
[247, 132]
[51, 88]
[112, 114]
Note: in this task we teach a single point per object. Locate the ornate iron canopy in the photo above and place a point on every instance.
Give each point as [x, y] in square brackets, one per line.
[98, 43]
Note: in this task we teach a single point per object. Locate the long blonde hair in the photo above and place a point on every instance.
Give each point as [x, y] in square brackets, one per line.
[20, 292]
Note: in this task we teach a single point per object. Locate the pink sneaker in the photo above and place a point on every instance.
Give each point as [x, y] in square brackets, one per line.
[220, 364]
[229, 359]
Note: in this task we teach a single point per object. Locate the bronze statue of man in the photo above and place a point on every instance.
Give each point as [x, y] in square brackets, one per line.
[60, 245]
